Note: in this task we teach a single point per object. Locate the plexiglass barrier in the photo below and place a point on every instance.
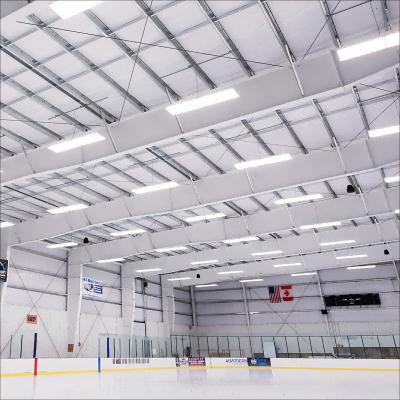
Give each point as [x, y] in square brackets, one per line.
[119, 346]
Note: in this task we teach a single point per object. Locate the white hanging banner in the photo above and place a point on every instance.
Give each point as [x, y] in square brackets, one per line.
[91, 287]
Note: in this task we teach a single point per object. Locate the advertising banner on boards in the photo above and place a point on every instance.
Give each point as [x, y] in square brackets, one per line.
[91, 287]
[3, 270]
[259, 362]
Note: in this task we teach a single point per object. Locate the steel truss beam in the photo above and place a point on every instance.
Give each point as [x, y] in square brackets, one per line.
[162, 127]
[71, 49]
[307, 242]
[226, 38]
[167, 33]
[37, 68]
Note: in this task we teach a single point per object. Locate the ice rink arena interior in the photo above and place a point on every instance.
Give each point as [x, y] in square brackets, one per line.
[199, 199]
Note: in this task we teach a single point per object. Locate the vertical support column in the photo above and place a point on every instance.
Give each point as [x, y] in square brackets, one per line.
[325, 315]
[194, 312]
[128, 286]
[168, 306]
[246, 309]
[5, 253]
[74, 304]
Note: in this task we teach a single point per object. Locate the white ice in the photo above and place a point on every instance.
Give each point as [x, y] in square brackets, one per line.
[207, 384]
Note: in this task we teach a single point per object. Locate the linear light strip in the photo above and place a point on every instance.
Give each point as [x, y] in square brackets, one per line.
[338, 242]
[362, 267]
[186, 278]
[155, 188]
[287, 265]
[128, 232]
[168, 249]
[368, 47]
[61, 245]
[389, 130]
[242, 239]
[203, 101]
[308, 197]
[208, 217]
[148, 270]
[110, 260]
[321, 225]
[304, 274]
[251, 280]
[62, 210]
[263, 161]
[392, 179]
[6, 224]
[267, 253]
[68, 8]
[352, 256]
[74, 143]
[229, 272]
[203, 262]
[207, 285]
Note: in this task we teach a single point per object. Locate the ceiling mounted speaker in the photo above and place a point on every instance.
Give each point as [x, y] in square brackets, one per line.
[85, 240]
[350, 189]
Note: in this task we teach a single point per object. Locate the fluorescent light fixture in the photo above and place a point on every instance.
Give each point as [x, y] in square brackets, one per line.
[362, 267]
[338, 242]
[80, 141]
[263, 161]
[148, 270]
[207, 285]
[6, 224]
[251, 280]
[304, 274]
[204, 217]
[62, 210]
[110, 260]
[266, 253]
[172, 248]
[229, 272]
[203, 101]
[155, 188]
[185, 278]
[242, 239]
[369, 46]
[287, 265]
[353, 256]
[60, 245]
[66, 9]
[299, 199]
[204, 262]
[129, 232]
[321, 225]
[389, 130]
[392, 179]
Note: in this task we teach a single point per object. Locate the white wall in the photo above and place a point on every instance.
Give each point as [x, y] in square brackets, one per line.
[221, 311]
[39, 276]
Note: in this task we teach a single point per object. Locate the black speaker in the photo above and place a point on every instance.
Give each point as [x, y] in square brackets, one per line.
[324, 312]
[386, 252]
[350, 189]
[85, 240]
[198, 276]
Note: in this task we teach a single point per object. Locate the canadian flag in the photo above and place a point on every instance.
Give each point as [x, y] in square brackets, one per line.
[286, 292]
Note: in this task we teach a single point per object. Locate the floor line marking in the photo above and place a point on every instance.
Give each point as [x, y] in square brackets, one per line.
[295, 368]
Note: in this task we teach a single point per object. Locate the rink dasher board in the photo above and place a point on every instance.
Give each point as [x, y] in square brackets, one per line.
[55, 366]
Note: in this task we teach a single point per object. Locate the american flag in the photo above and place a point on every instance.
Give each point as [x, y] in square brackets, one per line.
[274, 294]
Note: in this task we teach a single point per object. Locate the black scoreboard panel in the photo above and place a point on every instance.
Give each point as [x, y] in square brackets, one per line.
[343, 300]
